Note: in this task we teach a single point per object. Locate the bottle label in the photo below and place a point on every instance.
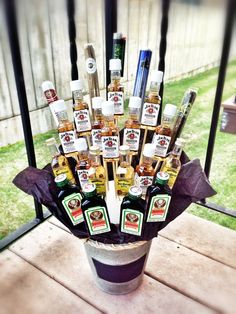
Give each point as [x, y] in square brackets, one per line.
[173, 173]
[64, 169]
[50, 95]
[72, 205]
[118, 99]
[123, 185]
[98, 178]
[131, 138]
[143, 182]
[83, 177]
[162, 143]
[110, 146]
[131, 221]
[82, 120]
[150, 114]
[158, 208]
[97, 137]
[97, 220]
[91, 66]
[68, 141]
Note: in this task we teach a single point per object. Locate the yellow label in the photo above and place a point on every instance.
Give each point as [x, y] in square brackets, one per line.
[63, 167]
[122, 185]
[100, 185]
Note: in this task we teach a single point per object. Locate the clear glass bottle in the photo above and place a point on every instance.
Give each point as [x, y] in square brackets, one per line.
[132, 213]
[80, 109]
[96, 173]
[110, 133]
[59, 162]
[124, 174]
[162, 135]
[132, 125]
[172, 163]
[65, 128]
[158, 198]
[83, 164]
[115, 89]
[98, 122]
[145, 172]
[152, 102]
[95, 211]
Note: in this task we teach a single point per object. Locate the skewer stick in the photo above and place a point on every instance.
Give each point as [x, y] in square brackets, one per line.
[144, 142]
[106, 172]
[114, 174]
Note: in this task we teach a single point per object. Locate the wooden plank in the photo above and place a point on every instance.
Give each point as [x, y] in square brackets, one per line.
[193, 274]
[25, 289]
[62, 257]
[204, 237]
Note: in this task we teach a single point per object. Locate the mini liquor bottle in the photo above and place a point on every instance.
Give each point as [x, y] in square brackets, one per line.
[59, 162]
[83, 164]
[132, 212]
[69, 201]
[152, 102]
[94, 211]
[96, 172]
[158, 198]
[125, 173]
[115, 89]
[51, 96]
[98, 121]
[172, 163]
[162, 135]
[132, 125]
[110, 133]
[65, 128]
[145, 172]
[81, 109]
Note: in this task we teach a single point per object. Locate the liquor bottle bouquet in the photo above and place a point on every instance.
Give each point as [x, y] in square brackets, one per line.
[110, 185]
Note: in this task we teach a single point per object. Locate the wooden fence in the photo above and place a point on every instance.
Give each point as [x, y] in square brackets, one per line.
[194, 44]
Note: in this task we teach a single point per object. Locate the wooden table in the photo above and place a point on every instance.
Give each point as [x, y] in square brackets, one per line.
[191, 269]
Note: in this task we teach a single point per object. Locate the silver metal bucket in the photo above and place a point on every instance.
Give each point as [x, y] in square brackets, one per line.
[117, 268]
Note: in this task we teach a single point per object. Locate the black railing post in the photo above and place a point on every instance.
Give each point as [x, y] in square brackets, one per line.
[72, 38]
[162, 48]
[110, 28]
[220, 83]
[10, 13]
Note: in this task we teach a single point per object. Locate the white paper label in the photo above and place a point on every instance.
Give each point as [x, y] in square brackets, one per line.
[150, 114]
[158, 208]
[131, 221]
[118, 99]
[162, 143]
[110, 146]
[72, 205]
[83, 177]
[97, 137]
[68, 141]
[82, 120]
[91, 65]
[131, 138]
[143, 182]
[97, 220]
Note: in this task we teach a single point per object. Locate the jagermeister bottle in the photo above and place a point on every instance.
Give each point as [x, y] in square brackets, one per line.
[125, 173]
[97, 173]
[95, 211]
[132, 212]
[69, 201]
[158, 198]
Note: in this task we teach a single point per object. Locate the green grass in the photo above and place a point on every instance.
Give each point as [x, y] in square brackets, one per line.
[16, 208]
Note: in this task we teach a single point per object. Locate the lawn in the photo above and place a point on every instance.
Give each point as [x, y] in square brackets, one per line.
[16, 208]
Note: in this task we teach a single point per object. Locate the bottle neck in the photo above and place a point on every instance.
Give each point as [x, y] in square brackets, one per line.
[177, 151]
[83, 155]
[77, 96]
[108, 119]
[134, 114]
[167, 120]
[95, 160]
[147, 161]
[154, 88]
[124, 161]
[53, 150]
[115, 76]
[62, 116]
[98, 117]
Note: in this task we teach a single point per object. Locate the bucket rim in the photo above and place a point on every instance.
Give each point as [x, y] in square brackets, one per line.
[115, 247]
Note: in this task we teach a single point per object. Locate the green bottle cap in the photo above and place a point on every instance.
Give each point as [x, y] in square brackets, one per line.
[162, 178]
[61, 180]
[89, 189]
[135, 192]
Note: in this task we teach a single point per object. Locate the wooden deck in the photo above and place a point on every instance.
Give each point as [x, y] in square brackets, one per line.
[191, 269]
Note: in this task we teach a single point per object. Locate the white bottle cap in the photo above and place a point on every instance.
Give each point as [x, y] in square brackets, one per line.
[47, 85]
[180, 142]
[50, 141]
[81, 144]
[124, 149]
[170, 110]
[97, 102]
[76, 85]
[117, 35]
[135, 102]
[108, 108]
[156, 76]
[59, 105]
[115, 65]
[149, 150]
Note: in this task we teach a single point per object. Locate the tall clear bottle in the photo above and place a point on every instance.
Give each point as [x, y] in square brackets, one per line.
[98, 122]
[83, 164]
[132, 125]
[110, 133]
[124, 174]
[152, 102]
[81, 109]
[172, 163]
[115, 89]
[65, 128]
